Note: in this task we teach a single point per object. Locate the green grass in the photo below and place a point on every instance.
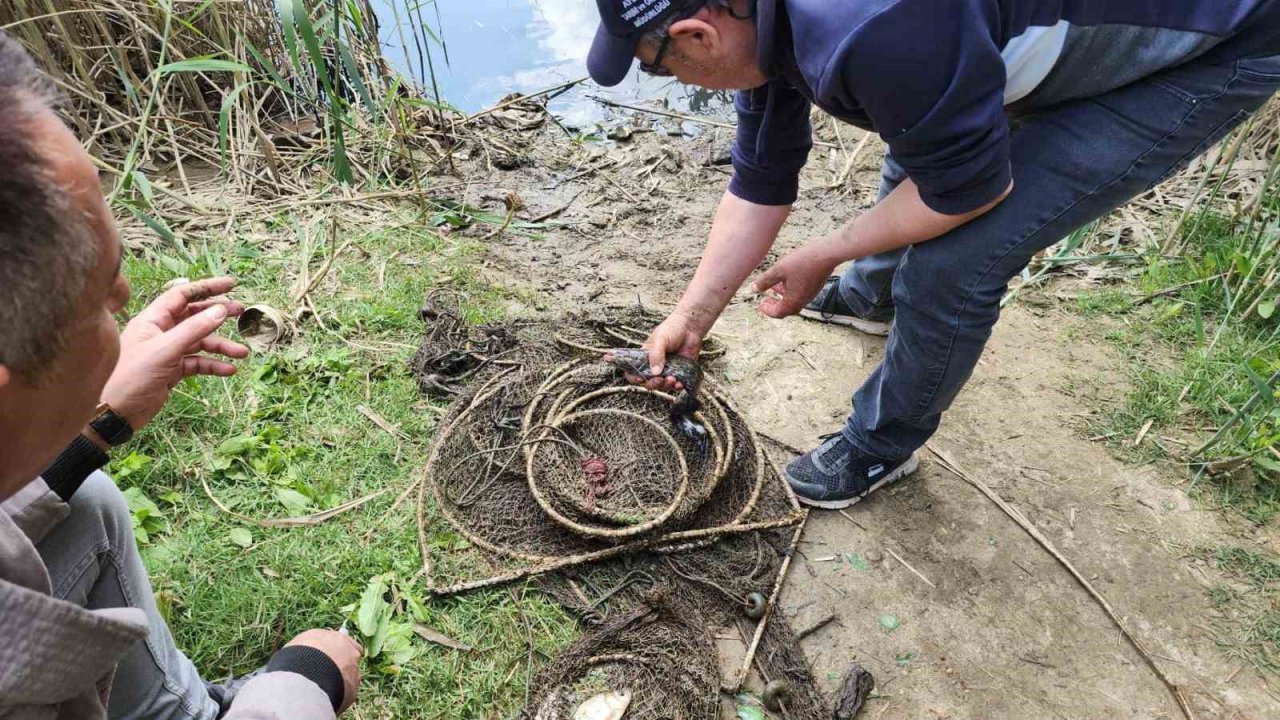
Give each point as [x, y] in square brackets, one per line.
[1191, 309]
[1247, 618]
[1256, 567]
[1202, 338]
[286, 435]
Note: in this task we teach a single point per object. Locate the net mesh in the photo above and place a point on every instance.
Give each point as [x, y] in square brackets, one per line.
[654, 651]
[549, 464]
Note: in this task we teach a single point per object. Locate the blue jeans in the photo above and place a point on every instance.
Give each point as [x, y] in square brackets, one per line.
[1072, 164]
[93, 562]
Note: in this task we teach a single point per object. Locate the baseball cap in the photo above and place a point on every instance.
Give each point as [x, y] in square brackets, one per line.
[622, 23]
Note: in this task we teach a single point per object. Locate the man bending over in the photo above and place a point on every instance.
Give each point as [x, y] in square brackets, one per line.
[1110, 97]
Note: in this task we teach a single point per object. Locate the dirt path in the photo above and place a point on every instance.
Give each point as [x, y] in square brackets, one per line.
[1000, 629]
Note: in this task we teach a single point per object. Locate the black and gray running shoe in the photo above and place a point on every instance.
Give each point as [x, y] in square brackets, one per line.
[829, 307]
[836, 474]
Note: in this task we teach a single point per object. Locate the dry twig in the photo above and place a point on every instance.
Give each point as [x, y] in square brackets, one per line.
[1039, 537]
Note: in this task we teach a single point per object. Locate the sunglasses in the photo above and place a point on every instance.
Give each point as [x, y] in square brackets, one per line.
[656, 67]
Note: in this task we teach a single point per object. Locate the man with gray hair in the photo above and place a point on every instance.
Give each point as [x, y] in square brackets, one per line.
[82, 637]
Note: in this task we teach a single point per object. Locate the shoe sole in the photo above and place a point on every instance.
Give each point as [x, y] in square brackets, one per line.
[870, 327]
[903, 470]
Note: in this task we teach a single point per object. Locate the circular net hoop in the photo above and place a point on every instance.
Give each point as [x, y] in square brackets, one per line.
[579, 386]
[707, 458]
[662, 656]
[477, 473]
[606, 465]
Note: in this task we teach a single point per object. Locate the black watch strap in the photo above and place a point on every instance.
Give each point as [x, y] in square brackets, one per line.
[113, 429]
[77, 462]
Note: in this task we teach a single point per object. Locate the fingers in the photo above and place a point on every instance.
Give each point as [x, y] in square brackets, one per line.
[657, 358]
[768, 278]
[780, 307]
[661, 384]
[192, 331]
[234, 309]
[218, 345]
[173, 304]
[200, 365]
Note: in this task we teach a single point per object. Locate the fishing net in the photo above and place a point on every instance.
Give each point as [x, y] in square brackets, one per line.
[549, 464]
[655, 652]
[548, 458]
[729, 585]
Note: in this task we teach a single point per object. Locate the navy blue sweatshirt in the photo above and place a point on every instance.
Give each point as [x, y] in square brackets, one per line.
[933, 77]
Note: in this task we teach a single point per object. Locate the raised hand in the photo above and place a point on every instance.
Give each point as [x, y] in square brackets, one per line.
[793, 281]
[171, 339]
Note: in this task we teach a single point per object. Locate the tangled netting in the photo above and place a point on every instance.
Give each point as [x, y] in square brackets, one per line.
[653, 645]
[549, 458]
[552, 465]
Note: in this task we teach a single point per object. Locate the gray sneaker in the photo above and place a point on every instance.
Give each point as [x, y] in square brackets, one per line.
[836, 475]
[829, 307]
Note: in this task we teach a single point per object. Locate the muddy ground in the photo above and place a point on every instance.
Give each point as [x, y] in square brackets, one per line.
[999, 629]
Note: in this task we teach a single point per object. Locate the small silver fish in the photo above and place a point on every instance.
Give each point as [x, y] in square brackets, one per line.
[605, 706]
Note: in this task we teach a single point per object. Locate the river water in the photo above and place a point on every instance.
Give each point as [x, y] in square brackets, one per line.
[495, 47]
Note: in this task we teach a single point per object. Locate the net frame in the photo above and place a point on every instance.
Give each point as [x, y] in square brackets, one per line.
[534, 472]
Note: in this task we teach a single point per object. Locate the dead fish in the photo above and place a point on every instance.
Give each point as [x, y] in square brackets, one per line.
[605, 706]
[683, 369]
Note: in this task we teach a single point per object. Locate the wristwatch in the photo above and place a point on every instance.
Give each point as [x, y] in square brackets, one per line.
[83, 457]
[113, 429]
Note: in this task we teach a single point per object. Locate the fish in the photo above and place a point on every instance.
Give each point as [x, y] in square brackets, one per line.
[605, 706]
[685, 370]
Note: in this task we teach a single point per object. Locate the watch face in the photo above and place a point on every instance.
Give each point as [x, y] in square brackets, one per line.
[114, 429]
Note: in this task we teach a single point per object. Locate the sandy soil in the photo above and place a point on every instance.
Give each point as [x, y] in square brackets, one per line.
[1000, 629]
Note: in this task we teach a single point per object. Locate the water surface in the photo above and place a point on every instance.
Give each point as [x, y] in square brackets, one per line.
[500, 46]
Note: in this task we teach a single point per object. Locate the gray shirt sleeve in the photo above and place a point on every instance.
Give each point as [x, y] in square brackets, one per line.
[35, 509]
[281, 696]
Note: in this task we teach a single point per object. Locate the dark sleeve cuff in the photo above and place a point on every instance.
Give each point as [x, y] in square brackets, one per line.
[776, 192]
[76, 463]
[313, 665]
[973, 196]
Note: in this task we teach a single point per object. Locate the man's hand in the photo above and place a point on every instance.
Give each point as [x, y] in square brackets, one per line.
[164, 344]
[344, 651]
[678, 335]
[795, 279]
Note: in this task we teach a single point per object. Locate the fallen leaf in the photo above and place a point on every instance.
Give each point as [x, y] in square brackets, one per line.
[749, 708]
[241, 537]
[371, 604]
[438, 638]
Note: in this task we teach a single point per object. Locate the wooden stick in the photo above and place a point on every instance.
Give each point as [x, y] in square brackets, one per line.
[421, 518]
[561, 563]
[907, 565]
[513, 101]
[745, 670]
[1031, 530]
[382, 422]
[682, 116]
[293, 522]
[849, 161]
[815, 627]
